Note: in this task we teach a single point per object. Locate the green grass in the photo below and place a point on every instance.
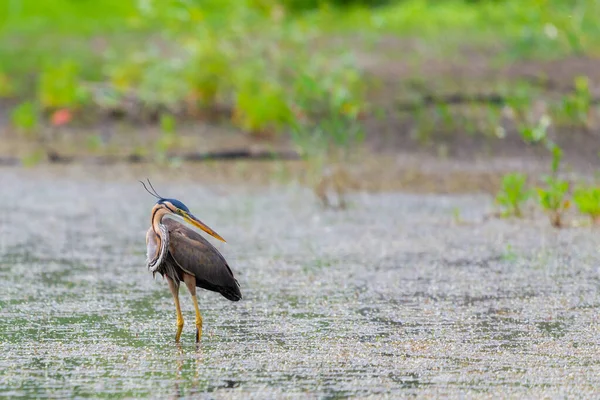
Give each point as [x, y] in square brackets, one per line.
[587, 200]
[37, 33]
[533, 29]
[66, 17]
[546, 29]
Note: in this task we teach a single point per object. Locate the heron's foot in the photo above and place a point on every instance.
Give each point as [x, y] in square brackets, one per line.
[198, 330]
[198, 318]
[179, 329]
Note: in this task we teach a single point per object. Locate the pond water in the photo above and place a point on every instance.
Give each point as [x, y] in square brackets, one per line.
[394, 297]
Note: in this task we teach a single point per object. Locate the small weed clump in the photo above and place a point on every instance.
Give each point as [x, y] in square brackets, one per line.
[25, 118]
[513, 195]
[553, 199]
[554, 196]
[576, 107]
[587, 200]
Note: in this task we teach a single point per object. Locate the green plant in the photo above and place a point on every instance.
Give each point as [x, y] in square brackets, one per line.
[25, 118]
[509, 254]
[327, 108]
[513, 194]
[94, 142]
[59, 86]
[576, 106]
[273, 67]
[536, 133]
[492, 123]
[532, 124]
[125, 74]
[6, 86]
[168, 137]
[261, 109]
[587, 200]
[557, 155]
[209, 71]
[167, 124]
[456, 216]
[553, 199]
[33, 158]
[161, 86]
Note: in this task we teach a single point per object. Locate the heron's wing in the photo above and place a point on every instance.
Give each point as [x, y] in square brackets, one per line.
[196, 256]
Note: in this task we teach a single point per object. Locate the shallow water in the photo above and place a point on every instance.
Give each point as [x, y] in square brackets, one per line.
[393, 297]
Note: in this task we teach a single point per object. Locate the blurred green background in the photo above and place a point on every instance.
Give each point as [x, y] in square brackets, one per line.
[322, 76]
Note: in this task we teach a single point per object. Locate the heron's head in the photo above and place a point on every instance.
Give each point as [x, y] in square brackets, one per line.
[176, 207]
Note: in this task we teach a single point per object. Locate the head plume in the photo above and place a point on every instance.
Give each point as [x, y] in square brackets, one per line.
[153, 193]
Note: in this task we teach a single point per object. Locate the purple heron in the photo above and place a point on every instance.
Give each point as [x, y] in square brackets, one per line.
[183, 255]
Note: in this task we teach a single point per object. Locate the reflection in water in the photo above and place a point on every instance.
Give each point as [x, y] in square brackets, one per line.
[197, 355]
[179, 358]
[194, 355]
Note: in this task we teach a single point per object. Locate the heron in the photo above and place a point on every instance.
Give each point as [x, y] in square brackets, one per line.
[182, 255]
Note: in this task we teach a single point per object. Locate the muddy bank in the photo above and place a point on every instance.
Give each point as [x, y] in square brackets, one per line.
[416, 171]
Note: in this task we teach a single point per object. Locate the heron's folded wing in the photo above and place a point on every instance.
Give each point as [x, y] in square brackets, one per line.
[198, 257]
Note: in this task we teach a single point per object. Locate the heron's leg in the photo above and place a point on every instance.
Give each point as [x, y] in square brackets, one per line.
[175, 291]
[190, 282]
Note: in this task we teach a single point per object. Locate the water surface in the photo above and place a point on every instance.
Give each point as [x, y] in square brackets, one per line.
[391, 298]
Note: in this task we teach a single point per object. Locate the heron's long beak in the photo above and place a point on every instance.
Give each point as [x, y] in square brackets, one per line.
[196, 222]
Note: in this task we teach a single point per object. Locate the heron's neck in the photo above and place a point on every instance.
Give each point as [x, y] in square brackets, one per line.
[162, 234]
[158, 212]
